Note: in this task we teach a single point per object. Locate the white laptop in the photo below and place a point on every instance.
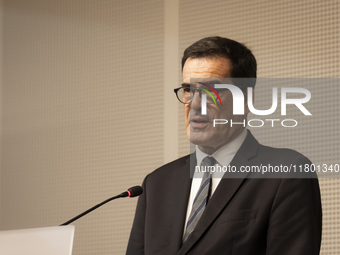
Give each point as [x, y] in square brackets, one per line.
[37, 241]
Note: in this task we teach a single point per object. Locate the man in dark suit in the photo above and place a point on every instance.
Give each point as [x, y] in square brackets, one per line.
[208, 214]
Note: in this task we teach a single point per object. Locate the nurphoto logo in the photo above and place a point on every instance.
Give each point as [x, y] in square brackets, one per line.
[239, 103]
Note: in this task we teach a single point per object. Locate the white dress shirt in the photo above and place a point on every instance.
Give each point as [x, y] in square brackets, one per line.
[223, 156]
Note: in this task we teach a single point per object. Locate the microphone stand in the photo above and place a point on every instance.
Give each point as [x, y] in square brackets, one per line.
[92, 208]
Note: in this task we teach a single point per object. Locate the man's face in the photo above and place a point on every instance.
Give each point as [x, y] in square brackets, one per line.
[199, 128]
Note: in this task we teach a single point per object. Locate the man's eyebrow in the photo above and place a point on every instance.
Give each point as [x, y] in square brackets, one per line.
[185, 84]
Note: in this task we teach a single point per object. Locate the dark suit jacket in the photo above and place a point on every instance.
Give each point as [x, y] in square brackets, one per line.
[244, 216]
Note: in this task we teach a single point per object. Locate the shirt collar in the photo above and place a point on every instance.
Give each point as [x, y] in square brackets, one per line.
[224, 154]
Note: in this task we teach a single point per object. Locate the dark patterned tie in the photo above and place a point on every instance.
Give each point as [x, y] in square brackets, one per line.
[201, 198]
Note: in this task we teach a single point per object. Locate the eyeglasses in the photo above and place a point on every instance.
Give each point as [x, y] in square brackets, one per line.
[186, 94]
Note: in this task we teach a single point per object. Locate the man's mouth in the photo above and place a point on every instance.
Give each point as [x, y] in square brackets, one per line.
[198, 122]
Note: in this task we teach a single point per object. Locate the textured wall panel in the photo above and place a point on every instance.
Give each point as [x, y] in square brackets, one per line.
[1, 98]
[83, 115]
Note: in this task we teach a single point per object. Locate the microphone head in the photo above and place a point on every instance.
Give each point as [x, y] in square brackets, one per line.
[135, 191]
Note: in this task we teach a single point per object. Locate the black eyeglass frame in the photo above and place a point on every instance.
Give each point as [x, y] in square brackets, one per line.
[199, 91]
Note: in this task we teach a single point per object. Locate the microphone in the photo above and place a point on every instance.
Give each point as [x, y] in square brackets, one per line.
[134, 191]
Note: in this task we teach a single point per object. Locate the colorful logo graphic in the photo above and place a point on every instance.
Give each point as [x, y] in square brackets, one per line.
[208, 92]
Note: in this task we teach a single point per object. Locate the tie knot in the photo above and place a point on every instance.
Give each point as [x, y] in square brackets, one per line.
[208, 161]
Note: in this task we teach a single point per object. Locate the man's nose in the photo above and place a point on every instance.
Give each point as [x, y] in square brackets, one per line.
[196, 101]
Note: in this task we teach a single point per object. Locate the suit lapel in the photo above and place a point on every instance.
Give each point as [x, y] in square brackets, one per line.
[223, 193]
[181, 196]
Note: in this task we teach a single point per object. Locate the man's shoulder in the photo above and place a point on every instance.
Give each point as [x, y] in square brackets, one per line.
[172, 168]
[281, 163]
[259, 152]
[279, 154]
